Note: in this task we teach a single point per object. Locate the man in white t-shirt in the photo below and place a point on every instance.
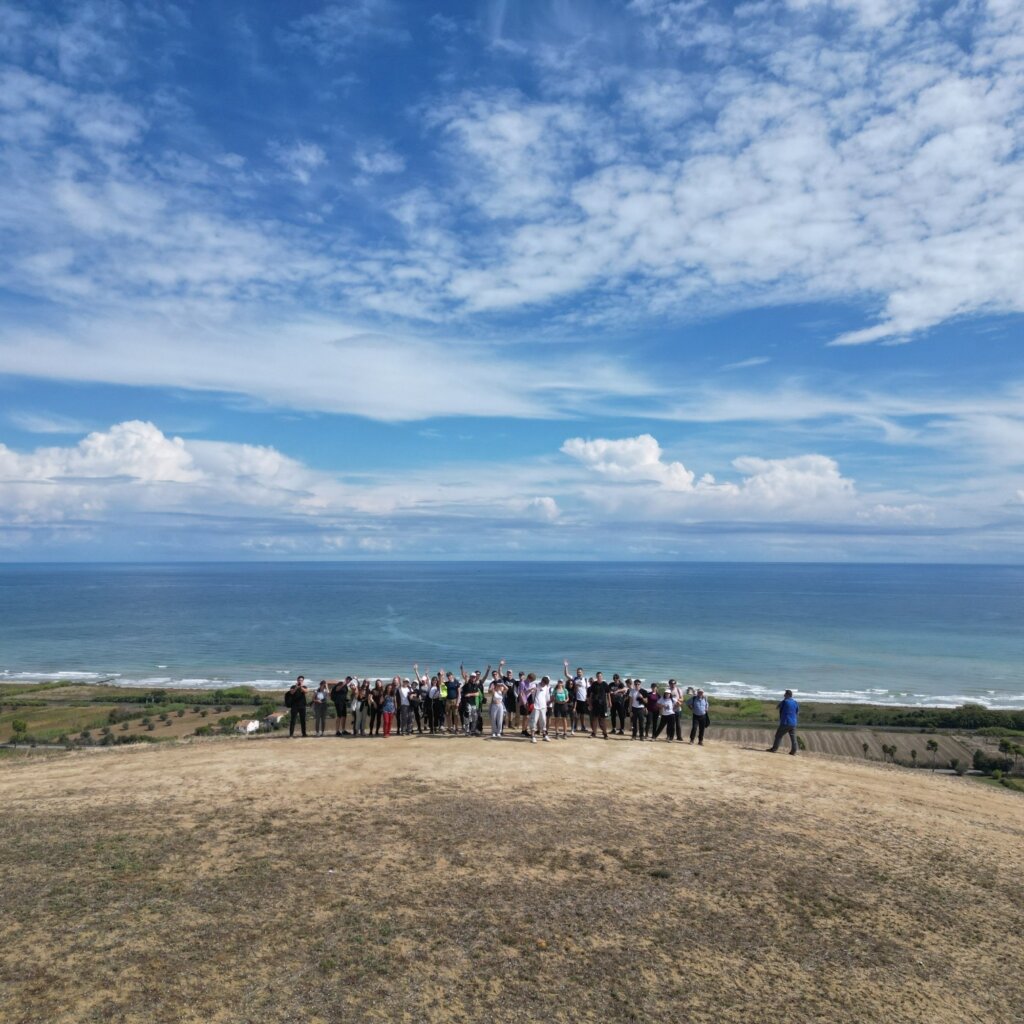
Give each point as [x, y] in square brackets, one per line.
[577, 685]
[539, 714]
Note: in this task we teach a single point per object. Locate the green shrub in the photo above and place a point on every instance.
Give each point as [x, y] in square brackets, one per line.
[988, 763]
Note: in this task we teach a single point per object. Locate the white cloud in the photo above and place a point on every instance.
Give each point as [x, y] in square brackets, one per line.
[132, 488]
[331, 33]
[379, 160]
[630, 459]
[299, 159]
[545, 508]
[322, 365]
[803, 483]
[746, 364]
[33, 422]
[802, 166]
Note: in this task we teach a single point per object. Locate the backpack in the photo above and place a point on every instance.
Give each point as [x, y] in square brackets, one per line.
[287, 698]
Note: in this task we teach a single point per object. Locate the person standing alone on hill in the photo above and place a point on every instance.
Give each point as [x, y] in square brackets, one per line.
[788, 711]
[295, 698]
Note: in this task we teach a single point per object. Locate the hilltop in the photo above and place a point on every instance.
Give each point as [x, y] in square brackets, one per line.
[275, 880]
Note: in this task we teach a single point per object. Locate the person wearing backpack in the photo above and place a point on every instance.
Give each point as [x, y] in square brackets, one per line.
[295, 701]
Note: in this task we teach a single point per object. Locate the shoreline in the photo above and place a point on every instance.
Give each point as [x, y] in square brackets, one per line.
[732, 690]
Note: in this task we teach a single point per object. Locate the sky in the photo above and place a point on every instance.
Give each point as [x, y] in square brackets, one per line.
[558, 279]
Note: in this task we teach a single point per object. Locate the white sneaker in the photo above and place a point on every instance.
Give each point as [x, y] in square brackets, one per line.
[545, 739]
[533, 739]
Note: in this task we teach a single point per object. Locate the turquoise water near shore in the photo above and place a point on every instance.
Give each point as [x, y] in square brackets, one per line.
[889, 634]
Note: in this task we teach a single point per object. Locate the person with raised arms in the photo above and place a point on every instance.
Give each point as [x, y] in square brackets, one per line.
[496, 702]
[510, 698]
[451, 703]
[524, 698]
[436, 706]
[470, 709]
[419, 701]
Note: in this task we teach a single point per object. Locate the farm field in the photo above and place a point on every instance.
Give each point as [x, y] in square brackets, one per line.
[850, 743]
[51, 721]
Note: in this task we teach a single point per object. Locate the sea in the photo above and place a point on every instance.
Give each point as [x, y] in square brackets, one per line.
[939, 635]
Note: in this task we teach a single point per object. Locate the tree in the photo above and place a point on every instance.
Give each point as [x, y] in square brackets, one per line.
[865, 747]
[913, 757]
[20, 730]
[933, 747]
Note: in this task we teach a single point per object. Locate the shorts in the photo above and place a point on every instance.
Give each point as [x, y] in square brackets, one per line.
[581, 707]
[561, 711]
[599, 710]
[524, 709]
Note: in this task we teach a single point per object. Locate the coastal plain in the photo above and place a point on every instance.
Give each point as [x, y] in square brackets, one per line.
[450, 880]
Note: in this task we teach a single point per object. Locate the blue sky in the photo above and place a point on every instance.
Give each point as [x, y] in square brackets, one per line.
[558, 279]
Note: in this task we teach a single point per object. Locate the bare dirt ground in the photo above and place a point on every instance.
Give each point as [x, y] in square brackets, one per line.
[479, 881]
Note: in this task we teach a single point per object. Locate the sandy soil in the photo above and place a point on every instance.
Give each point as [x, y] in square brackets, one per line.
[465, 880]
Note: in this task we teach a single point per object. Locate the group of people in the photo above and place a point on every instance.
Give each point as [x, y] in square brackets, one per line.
[538, 707]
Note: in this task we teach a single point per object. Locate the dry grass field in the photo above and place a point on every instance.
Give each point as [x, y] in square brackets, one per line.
[463, 880]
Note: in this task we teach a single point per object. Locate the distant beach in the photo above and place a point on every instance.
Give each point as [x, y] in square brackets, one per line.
[860, 634]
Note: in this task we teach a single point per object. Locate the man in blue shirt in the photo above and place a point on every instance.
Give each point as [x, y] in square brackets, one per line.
[788, 710]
